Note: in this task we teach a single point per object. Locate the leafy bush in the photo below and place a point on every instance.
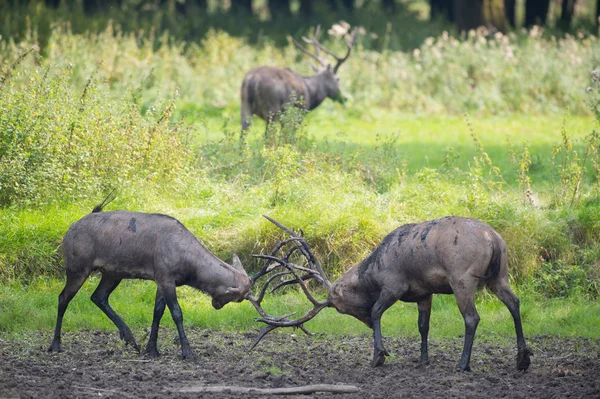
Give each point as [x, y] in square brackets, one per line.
[60, 144]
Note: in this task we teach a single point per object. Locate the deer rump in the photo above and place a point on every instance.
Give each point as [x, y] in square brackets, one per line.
[451, 255]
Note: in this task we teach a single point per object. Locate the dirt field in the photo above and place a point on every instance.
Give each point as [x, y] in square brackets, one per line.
[97, 364]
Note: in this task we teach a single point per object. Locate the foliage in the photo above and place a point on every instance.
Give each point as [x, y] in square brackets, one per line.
[158, 119]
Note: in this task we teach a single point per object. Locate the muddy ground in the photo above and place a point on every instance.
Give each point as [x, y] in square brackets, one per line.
[97, 364]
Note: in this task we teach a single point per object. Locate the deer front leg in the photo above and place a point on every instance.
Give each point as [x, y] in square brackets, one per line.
[159, 309]
[170, 296]
[386, 299]
[424, 314]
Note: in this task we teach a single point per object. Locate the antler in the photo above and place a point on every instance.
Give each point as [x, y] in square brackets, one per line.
[287, 268]
[315, 43]
[318, 47]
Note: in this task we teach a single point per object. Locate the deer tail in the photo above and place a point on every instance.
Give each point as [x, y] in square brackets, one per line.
[495, 265]
[109, 198]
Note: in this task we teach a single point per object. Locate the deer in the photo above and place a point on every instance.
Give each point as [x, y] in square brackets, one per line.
[266, 90]
[449, 255]
[149, 246]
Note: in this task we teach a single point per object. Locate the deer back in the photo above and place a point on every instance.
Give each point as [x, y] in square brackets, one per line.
[266, 90]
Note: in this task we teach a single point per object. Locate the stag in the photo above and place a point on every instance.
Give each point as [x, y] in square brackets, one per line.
[266, 90]
[450, 255]
[133, 245]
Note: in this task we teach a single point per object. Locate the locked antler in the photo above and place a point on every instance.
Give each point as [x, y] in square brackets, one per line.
[294, 274]
[318, 47]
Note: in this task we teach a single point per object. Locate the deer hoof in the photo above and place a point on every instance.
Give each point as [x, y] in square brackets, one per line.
[460, 368]
[422, 365]
[187, 354]
[378, 359]
[151, 352]
[55, 348]
[523, 360]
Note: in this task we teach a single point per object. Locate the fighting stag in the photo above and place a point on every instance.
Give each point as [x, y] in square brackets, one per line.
[267, 89]
[450, 255]
[133, 245]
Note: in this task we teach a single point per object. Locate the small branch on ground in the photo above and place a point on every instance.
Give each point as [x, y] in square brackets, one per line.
[306, 389]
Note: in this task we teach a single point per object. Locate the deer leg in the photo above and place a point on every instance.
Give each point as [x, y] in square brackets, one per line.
[386, 299]
[100, 298]
[424, 313]
[503, 291]
[466, 304]
[159, 309]
[170, 296]
[73, 284]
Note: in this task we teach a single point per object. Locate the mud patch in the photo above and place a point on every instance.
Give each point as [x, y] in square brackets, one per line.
[97, 364]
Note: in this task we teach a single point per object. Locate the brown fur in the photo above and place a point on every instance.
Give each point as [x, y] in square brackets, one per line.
[133, 245]
[443, 256]
[266, 90]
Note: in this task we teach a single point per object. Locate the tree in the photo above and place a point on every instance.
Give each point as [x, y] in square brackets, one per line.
[279, 7]
[566, 15]
[442, 8]
[471, 14]
[468, 14]
[389, 6]
[306, 7]
[510, 12]
[536, 12]
[244, 6]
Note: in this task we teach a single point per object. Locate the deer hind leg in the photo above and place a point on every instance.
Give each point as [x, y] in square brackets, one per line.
[424, 314]
[100, 298]
[464, 293]
[503, 291]
[159, 309]
[169, 294]
[73, 284]
[385, 300]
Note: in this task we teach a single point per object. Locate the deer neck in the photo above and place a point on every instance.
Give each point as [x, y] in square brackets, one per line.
[317, 92]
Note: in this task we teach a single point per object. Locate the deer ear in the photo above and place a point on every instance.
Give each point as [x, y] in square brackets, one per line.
[329, 67]
[237, 264]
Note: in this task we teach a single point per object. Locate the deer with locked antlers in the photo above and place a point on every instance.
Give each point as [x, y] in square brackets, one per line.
[134, 245]
[451, 255]
[267, 89]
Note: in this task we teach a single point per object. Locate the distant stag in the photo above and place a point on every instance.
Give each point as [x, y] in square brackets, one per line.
[442, 256]
[133, 245]
[267, 89]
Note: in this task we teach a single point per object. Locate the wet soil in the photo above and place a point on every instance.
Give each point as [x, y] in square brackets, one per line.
[98, 364]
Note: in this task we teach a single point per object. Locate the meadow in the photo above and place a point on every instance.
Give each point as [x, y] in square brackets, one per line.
[503, 128]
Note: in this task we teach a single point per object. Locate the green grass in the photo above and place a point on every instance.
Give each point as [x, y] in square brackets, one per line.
[33, 308]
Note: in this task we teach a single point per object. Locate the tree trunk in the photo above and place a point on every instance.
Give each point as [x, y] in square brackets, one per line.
[442, 9]
[510, 12]
[468, 14]
[536, 12]
[306, 7]
[389, 6]
[242, 6]
[566, 15]
[598, 12]
[279, 8]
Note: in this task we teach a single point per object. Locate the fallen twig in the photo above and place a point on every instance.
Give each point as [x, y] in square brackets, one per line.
[306, 389]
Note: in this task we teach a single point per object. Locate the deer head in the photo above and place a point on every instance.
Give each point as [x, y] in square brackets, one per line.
[327, 72]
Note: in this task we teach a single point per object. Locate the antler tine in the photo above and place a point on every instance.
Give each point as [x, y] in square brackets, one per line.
[291, 268]
[305, 251]
[318, 58]
[266, 269]
[340, 61]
